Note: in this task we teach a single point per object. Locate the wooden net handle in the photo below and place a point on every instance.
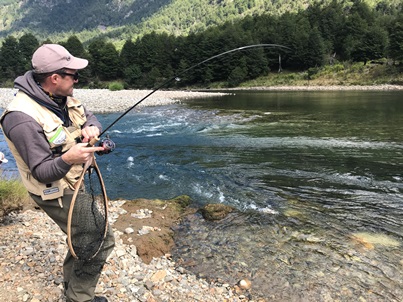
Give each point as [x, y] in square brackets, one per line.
[77, 186]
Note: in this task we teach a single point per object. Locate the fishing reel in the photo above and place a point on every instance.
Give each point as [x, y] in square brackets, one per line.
[107, 144]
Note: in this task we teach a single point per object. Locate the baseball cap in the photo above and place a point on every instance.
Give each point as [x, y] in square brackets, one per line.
[2, 158]
[52, 57]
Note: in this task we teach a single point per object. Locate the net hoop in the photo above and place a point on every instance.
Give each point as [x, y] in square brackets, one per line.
[90, 164]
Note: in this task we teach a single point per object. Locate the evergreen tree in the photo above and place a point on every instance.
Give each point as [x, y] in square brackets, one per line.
[149, 50]
[315, 50]
[266, 29]
[128, 53]
[132, 74]
[395, 49]
[153, 78]
[130, 70]
[96, 61]
[27, 45]
[357, 24]
[75, 47]
[372, 45]
[256, 63]
[296, 30]
[190, 51]
[11, 62]
[104, 60]
[110, 59]
[238, 74]
[329, 21]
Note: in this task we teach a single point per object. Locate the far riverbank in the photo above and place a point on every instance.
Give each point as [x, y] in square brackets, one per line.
[104, 100]
[323, 88]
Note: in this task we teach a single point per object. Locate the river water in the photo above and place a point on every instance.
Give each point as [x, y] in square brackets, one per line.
[315, 178]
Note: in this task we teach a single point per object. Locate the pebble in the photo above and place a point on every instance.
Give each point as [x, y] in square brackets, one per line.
[142, 214]
[31, 267]
[245, 284]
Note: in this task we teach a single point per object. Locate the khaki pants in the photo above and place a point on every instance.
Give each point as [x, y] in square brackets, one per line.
[78, 290]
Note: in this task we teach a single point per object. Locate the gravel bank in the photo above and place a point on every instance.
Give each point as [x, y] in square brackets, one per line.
[32, 250]
[104, 100]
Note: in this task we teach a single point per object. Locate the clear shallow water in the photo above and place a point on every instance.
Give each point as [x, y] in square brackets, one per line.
[316, 177]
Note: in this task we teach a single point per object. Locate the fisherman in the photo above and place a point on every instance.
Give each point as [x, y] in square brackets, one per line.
[47, 131]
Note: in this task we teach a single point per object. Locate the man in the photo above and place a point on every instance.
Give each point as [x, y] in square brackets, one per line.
[43, 126]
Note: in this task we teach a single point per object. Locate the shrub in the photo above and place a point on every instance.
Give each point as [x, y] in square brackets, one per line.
[13, 196]
[335, 68]
[115, 86]
[357, 68]
[313, 72]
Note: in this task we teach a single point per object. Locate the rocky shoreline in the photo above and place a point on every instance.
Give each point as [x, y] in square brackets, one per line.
[104, 100]
[32, 250]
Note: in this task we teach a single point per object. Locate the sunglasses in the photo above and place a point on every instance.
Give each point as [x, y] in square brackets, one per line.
[73, 75]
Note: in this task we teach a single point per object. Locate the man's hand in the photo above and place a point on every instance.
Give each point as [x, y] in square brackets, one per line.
[89, 132]
[79, 154]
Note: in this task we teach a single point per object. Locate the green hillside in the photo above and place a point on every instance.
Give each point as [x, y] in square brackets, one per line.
[121, 19]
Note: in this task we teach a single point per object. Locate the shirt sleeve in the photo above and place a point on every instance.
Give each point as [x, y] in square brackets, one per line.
[92, 120]
[30, 141]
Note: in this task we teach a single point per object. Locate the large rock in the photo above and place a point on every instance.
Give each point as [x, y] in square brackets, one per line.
[157, 219]
[217, 211]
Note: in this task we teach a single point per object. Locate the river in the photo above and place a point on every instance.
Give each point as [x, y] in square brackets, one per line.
[315, 177]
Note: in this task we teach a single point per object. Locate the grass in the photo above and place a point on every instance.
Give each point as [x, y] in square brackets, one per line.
[344, 73]
[13, 196]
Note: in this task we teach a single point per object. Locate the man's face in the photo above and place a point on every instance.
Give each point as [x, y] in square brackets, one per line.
[65, 82]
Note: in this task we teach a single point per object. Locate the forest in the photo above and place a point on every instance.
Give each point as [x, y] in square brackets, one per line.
[119, 20]
[322, 34]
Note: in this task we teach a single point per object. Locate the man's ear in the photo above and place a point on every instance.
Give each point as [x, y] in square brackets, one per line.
[54, 78]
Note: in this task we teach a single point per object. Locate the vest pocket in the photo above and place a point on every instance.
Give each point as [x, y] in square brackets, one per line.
[48, 191]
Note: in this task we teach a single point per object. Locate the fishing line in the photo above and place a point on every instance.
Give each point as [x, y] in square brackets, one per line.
[109, 145]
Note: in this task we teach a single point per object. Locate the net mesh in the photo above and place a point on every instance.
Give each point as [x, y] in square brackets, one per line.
[89, 225]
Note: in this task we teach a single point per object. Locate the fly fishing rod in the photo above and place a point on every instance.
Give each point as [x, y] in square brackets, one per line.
[109, 145]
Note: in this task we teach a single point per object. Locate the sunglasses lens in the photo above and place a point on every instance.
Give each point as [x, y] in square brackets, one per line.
[73, 75]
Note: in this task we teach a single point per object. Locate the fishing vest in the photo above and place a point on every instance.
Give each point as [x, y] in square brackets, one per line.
[59, 137]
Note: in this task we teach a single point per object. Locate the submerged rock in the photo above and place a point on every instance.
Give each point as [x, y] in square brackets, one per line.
[213, 212]
[371, 239]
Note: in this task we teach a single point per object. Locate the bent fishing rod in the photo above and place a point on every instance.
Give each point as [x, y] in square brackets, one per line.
[109, 145]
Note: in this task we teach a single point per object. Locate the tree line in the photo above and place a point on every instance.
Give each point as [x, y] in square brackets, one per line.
[322, 34]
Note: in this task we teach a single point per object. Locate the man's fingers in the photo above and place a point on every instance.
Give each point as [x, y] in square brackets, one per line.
[87, 149]
[93, 149]
[89, 132]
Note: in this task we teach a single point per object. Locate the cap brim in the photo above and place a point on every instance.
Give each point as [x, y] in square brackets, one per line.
[77, 63]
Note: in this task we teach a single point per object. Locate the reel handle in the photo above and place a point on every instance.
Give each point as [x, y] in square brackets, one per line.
[106, 143]
[93, 141]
